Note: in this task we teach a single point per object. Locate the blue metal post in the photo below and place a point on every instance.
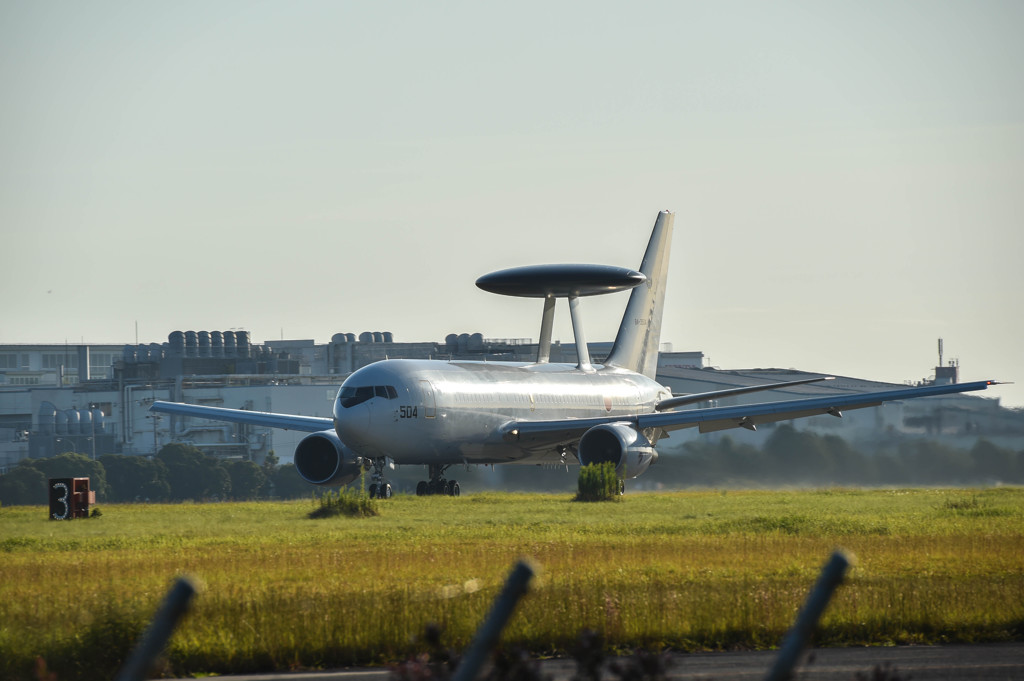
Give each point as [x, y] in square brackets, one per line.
[160, 629]
[831, 577]
[487, 636]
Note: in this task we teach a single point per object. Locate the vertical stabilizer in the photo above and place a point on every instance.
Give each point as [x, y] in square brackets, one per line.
[636, 344]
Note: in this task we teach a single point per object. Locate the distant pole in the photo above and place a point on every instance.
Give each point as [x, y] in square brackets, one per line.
[92, 420]
[156, 443]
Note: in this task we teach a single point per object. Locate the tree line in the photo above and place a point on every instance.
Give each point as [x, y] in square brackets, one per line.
[798, 457]
[787, 457]
[178, 472]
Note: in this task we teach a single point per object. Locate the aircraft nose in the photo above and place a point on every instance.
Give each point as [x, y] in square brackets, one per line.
[351, 423]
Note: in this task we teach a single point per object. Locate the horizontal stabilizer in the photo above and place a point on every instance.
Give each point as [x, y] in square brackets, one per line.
[682, 400]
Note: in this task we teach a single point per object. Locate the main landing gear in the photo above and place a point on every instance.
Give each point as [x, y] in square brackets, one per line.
[379, 487]
[437, 484]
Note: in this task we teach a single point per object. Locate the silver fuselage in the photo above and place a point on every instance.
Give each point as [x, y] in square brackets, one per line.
[453, 412]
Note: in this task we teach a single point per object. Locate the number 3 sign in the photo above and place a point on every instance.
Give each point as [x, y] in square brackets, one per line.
[70, 498]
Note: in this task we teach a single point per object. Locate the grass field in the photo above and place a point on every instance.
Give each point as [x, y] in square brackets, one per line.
[687, 570]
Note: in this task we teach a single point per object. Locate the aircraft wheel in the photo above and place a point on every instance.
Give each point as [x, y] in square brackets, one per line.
[421, 488]
[446, 487]
[386, 491]
[373, 491]
[454, 489]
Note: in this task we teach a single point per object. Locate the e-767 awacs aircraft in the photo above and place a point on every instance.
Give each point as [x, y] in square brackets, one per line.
[438, 413]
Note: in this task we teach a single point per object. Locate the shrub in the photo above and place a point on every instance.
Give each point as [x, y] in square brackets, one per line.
[599, 482]
[346, 501]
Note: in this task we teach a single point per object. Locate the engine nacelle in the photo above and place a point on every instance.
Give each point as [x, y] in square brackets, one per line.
[620, 443]
[322, 459]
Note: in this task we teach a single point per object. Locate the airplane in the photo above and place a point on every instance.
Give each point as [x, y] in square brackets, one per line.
[441, 413]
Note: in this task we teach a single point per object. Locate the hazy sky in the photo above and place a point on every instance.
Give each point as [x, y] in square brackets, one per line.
[848, 178]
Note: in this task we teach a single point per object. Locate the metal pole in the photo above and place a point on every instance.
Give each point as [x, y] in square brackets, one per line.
[160, 629]
[831, 577]
[488, 633]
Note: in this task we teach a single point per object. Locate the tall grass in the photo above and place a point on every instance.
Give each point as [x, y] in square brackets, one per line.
[695, 571]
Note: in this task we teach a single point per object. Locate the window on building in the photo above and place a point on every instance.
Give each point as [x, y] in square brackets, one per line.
[8, 360]
[54, 360]
[100, 364]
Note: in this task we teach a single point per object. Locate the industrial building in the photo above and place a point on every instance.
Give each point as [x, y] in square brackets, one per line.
[94, 399]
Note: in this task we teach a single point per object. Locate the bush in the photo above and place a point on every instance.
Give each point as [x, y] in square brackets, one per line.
[346, 501]
[599, 482]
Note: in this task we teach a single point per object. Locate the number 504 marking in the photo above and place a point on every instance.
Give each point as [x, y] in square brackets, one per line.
[408, 412]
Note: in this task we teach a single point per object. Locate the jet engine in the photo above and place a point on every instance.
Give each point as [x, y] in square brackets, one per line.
[620, 443]
[322, 459]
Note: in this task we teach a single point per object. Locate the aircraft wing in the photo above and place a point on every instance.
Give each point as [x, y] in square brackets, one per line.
[750, 415]
[547, 433]
[308, 424]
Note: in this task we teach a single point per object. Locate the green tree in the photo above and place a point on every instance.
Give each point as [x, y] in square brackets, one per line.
[288, 484]
[798, 457]
[993, 463]
[192, 474]
[136, 478]
[731, 460]
[850, 466]
[925, 462]
[247, 479]
[25, 485]
[269, 467]
[270, 462]
[711, 461]
[71, 465]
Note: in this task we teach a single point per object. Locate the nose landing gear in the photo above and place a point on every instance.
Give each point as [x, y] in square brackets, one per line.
[437, 483]
[379, 487]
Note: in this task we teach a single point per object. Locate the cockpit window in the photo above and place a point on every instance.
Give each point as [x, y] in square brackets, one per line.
[350, 395]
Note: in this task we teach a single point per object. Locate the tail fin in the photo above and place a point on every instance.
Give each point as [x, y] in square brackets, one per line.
[636, 344]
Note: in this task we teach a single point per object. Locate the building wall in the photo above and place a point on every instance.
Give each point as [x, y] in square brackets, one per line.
[56, 364]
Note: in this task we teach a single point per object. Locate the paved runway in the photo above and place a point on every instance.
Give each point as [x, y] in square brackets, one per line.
[986, 662]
